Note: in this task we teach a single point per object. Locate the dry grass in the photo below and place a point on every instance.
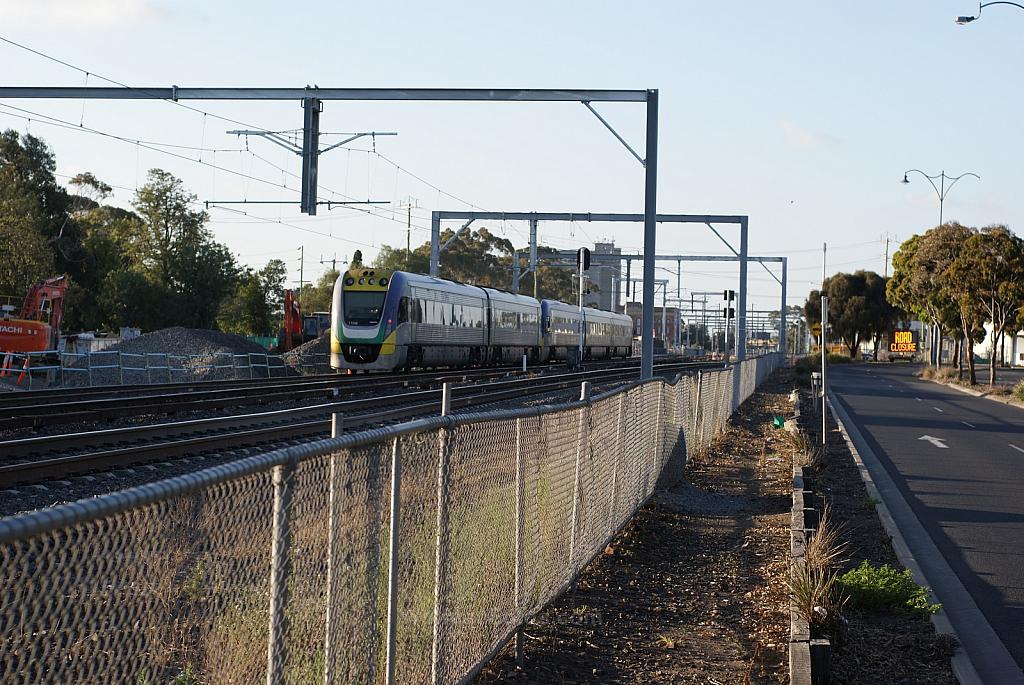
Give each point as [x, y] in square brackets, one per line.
[813, 580]
[824, 550]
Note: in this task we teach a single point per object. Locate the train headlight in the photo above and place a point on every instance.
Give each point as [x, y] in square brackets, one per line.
[383, 281]
[350, 281]
[370, 281]
[361, 281]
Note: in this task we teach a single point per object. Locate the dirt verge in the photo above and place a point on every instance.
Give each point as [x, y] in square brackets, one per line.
[693, 590]
[883, 648]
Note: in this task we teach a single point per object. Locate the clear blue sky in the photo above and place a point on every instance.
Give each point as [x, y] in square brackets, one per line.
[802, 115]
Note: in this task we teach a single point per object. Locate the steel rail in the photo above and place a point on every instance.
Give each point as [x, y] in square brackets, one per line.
[109, 448]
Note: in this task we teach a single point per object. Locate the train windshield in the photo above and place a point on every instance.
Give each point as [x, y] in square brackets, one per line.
[363, 308]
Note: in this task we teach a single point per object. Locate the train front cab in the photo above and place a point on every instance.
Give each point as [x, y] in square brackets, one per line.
[364, 316]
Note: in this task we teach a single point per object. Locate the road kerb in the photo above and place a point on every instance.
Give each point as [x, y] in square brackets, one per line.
[880, 487]
[975, 393]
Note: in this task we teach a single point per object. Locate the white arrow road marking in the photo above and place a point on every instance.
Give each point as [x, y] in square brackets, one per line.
[1016, 448]
[937, 441]
[938, 410]
[969, 425]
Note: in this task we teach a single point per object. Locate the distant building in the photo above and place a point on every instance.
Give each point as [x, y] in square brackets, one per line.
[1011, 346]
[672, 322]
[604, 279]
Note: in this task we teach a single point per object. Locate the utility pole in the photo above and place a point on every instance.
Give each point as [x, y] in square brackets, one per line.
[886, 269]
[408, 205]
[333, 261]
[302, 265]
[824, 372]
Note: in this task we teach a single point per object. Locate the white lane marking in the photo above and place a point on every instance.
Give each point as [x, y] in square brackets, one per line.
[969, 425]
[938, 410]
[937, 441]
[1016, 448]
[919, 399]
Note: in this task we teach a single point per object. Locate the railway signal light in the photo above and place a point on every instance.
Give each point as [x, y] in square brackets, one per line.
[583, 259]
[728, 295]
[728, 312]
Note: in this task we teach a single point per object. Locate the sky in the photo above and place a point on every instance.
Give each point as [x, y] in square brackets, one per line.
[802, 115]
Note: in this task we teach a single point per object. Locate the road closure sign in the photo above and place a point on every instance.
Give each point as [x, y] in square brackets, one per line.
[903, 341]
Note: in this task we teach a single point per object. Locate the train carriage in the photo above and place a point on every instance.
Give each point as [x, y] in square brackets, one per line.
[386, 320]
[514, 327]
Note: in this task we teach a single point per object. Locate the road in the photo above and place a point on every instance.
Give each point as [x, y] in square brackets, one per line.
[958, 461]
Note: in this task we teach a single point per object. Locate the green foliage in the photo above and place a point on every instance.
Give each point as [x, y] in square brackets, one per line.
[26, 259]
[883, 588]
[255, 306]
[130, 298]
[482, 258]
[1018, 391]
[986, 277]
[317, 297]
[857, 308]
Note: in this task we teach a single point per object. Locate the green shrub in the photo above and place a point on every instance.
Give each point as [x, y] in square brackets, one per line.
[1018, 391]
[871, 588]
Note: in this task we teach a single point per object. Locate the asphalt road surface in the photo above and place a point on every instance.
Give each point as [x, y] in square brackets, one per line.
[958, 461]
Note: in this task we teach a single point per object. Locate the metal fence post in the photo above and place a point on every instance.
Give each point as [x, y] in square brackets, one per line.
[520, 534]
[659, 442]
[396, 500]
[280, 568]
[88, 359]
[620, 455]
[120, 368]
[696, 409]
[332, 521]
[581, 441]
[441, 549]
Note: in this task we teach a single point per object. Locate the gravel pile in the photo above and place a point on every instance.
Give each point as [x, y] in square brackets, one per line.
[313, 356]
[191, 352]
[179, 340]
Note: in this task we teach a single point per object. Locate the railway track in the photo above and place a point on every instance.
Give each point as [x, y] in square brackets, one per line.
[35, 459]
[66, 406]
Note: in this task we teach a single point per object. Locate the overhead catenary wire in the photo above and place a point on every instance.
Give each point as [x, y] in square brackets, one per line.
[122, 85]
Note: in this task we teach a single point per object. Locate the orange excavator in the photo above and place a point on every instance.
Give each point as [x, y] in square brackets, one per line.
[297, 328]
[291, 333]
[36, 326]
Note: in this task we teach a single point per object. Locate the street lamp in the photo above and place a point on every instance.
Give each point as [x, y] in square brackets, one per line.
[942, 189]
[967, 20]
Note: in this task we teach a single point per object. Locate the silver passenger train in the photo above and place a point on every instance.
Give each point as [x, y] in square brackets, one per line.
[386, 320]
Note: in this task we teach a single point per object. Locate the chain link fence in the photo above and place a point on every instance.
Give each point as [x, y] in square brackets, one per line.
[409, 554]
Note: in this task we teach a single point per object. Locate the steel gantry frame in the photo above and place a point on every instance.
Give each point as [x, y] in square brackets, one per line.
[313, 97]
[649, 257]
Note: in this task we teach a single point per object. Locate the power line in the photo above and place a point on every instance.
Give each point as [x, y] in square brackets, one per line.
[123, 85]
[298, 228]
[61, 123]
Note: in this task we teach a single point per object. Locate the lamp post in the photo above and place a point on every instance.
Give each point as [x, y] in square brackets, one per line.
[962, 20]
[942, 189]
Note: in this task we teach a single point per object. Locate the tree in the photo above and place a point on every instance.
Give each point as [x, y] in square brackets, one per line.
[169, 225]
[919, 285]
[854, 310]
[357, 258]
[484, 259]
[987, 277]
[318, 297]
[26, 260]
[254, 307]
[129, 298]
[204, 273]
[883, 316]
[27, 182]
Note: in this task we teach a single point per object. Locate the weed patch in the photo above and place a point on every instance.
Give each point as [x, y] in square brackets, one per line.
[883, 588]
[1018, 391]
